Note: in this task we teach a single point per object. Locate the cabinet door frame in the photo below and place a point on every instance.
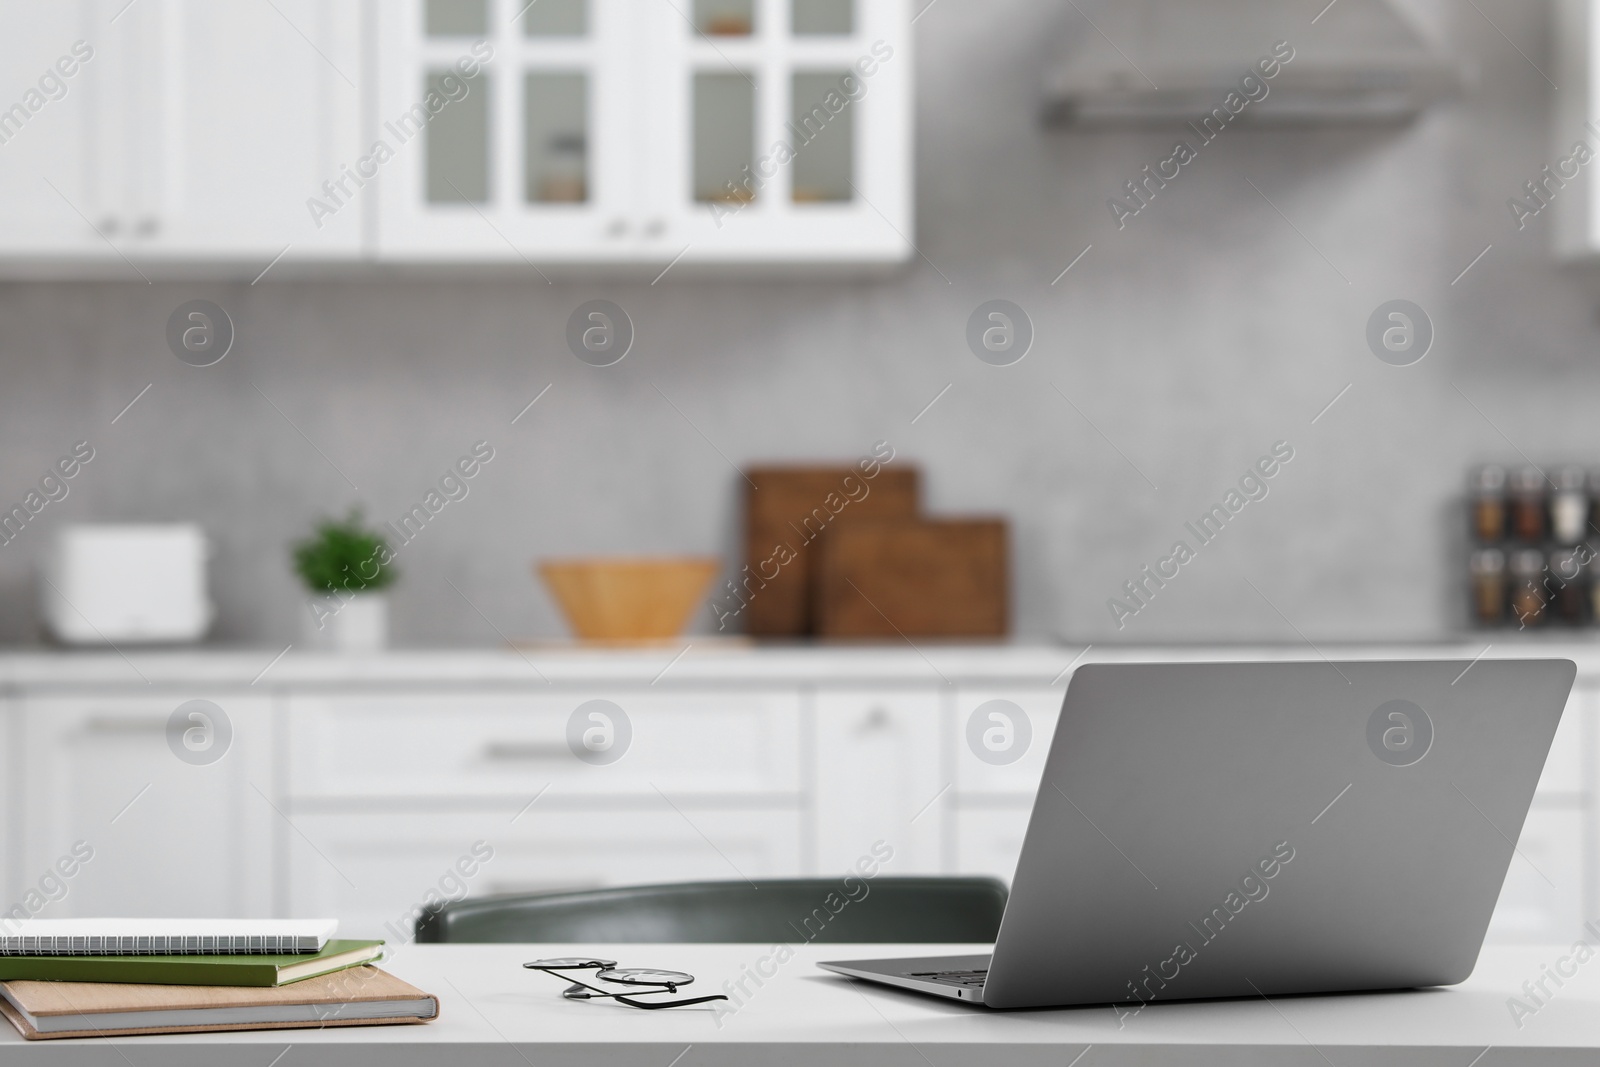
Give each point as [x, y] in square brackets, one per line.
[875, 227]
[133, 117]
[878, 774]
[50, 192]
[320, 40]
[506, 228]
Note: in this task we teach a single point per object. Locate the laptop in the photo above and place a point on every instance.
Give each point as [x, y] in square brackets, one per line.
[1244, 829]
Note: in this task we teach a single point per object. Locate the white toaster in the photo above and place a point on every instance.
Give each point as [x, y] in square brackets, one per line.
[109, 583]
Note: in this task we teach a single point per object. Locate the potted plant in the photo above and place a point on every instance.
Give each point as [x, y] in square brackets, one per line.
[346, 566]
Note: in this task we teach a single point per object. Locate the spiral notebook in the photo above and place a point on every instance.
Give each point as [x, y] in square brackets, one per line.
[163, 937]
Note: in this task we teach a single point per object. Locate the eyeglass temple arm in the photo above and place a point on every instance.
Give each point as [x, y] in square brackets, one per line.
[623, 997]
[566, 977]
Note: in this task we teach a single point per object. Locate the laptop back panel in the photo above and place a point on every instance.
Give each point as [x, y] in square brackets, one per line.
[1211, 830]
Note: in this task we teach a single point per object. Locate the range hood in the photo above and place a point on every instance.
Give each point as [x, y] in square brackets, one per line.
[1141, 62]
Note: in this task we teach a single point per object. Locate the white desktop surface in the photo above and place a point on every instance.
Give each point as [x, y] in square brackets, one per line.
[807, 1016]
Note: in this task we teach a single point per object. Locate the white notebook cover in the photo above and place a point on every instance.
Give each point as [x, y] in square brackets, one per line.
[157, 937]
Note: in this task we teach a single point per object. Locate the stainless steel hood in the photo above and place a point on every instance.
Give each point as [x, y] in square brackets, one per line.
[1139, 62]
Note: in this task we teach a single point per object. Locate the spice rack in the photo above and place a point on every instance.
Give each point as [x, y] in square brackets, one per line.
[1533, 560]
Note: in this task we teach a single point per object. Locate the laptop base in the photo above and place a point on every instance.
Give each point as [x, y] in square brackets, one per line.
[955, 977]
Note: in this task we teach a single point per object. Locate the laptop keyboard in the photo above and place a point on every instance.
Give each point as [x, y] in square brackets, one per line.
[960, 978]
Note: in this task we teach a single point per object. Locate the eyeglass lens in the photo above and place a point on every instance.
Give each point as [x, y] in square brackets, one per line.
[644, 976]
[569, 963]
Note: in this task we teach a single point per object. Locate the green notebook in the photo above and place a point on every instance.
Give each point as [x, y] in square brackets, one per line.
[190, 970]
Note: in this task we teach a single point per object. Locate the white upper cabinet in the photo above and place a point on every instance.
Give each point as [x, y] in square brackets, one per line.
[50, 71]
[177, 130]
[605, 131]
[158, 133]
[245, 110]
[780, 130]
[511, 129]
[1569, 185]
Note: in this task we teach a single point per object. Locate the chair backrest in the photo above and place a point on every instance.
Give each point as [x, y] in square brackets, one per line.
[850, 910]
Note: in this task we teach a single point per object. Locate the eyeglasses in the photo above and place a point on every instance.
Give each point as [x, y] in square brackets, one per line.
[643, 981]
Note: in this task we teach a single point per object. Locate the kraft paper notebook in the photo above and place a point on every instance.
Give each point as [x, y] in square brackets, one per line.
[263, 970]
[360, 996]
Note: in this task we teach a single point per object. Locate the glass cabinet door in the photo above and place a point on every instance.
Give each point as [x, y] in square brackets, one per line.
[717, 131]
[511, 126]
[782, 131]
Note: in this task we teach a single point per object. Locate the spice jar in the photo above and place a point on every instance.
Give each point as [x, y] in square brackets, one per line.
[1527, 505]
[1569, 506]
[1489, 503]
[1488, 569]
[1527, 593]
[565, 176]
[1568, 580]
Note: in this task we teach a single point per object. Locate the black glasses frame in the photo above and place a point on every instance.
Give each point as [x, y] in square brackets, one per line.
[581, 990]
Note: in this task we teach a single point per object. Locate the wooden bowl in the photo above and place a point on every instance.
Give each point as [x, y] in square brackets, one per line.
[629, 599]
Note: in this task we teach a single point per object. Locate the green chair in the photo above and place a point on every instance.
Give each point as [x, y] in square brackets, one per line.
[841, 910]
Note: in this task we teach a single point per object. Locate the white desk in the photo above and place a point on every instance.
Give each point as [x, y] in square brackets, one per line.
[806, 1016]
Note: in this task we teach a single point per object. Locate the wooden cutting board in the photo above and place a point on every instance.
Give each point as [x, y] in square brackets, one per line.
[788, 513]
[916, 578]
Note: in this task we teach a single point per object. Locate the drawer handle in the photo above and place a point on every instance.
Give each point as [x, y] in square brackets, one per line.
[525, 752]
[107, 724]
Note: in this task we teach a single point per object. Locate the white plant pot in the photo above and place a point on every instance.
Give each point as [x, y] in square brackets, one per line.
[359, 624]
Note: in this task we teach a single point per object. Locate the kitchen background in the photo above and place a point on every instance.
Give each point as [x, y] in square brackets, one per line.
[1209, 328]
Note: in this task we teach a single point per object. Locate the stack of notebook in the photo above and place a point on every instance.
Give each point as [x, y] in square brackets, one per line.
[108, 977]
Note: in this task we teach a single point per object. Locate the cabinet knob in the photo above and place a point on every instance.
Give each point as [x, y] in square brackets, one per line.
[109, 225]
[525, 752]
[148, 226]
[876, 720]
[617, 228]
[120, 726]
[655, 227]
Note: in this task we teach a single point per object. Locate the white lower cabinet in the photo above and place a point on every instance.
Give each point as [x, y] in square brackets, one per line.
[989, 840]
[1000, 738]
[116, 823]
[391, 792]
[369, 801]
[880, 777]
[1544, 892]
[383, 869]
[380, 870]
[451, 744]
[1549, 891]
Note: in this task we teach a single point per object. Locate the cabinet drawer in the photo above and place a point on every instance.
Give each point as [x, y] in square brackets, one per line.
[374, 871]
[474, 745]
[1017, 779]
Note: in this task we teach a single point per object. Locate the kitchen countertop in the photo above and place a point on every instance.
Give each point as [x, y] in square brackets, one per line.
[693, 663]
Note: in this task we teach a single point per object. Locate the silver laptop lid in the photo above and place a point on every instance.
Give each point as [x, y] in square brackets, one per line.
[1207, 830]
